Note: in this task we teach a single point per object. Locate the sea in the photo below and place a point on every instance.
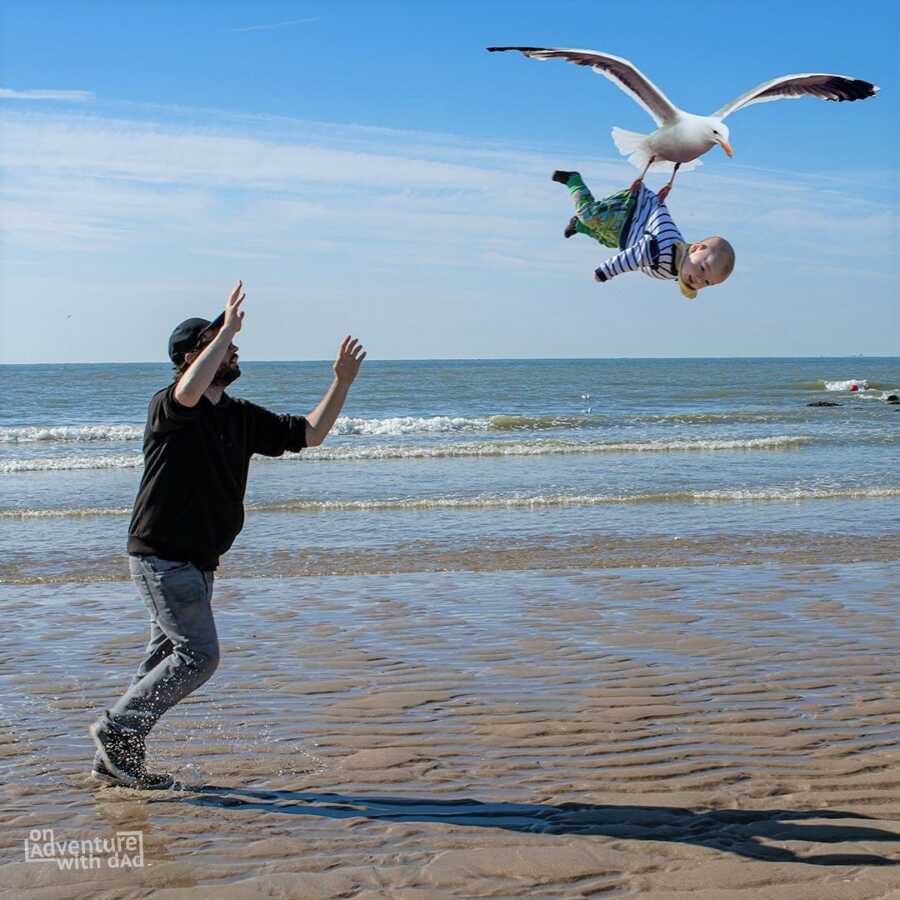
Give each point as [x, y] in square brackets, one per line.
[474, 465]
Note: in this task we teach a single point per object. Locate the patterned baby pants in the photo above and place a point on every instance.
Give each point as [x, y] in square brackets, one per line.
[606, 220]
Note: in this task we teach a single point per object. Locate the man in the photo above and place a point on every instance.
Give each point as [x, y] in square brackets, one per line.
[189, 509]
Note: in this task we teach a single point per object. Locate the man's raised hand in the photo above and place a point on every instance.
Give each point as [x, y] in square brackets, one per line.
[349, 359]
[234, 316]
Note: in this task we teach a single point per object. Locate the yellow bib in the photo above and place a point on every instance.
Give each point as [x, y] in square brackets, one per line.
[680, 253]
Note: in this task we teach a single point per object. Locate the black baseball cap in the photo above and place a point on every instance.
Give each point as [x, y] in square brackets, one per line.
[186, 336]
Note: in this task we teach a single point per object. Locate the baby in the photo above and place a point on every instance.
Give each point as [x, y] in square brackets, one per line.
[637, 223]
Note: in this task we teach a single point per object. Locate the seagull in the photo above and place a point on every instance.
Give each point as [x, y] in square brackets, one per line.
[682, 136]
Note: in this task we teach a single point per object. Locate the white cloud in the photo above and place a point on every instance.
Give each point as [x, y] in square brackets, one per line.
[68, 96]
[275, 25]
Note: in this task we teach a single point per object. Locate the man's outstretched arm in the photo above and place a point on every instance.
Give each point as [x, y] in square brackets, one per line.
[201, 372]
[346, 367]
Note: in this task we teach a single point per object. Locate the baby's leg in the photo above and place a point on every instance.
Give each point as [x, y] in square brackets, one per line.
[584, 199]
[590, 214]
[598, 219]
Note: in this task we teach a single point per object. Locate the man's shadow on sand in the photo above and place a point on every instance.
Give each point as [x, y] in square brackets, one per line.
[731, 831]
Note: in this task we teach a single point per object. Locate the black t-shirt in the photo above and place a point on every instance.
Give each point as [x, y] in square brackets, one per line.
[190, 505]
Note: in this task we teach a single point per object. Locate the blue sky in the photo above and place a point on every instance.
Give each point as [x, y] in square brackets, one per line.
[368, 167]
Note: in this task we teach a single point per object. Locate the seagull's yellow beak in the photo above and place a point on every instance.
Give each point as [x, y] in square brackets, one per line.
[726, 147]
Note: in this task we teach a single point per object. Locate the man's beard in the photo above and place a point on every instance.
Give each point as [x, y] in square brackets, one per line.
[227, 374]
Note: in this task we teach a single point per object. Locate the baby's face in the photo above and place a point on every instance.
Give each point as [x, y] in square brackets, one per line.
[701, 267]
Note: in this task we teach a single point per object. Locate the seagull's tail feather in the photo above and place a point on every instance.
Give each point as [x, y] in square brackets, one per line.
[636, 147]
[632, 145]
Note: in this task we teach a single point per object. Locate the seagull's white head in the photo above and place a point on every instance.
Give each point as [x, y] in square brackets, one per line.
[718, 134]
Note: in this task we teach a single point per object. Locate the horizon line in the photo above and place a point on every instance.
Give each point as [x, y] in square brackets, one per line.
[467, 359]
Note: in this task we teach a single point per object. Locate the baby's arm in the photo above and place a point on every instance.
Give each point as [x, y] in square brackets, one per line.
[628, 260]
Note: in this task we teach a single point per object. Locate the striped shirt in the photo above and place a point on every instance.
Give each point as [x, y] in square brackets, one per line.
[650, 245]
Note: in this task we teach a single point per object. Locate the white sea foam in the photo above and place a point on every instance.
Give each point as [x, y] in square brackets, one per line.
[860, 383]
[27, 434]
[773, 494]
[67, 463]
[544, 447]
[401, 425]
[880, 395]
[488, 502]
[345, 425]
[397, 425]
[797, 493]
[63, 513]
[394, 425]
[437, 451]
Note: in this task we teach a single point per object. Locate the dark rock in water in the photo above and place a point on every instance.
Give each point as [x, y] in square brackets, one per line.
[823, 403]
[892, 398]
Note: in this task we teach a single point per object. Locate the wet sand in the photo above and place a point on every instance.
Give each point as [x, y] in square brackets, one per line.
[701, 731]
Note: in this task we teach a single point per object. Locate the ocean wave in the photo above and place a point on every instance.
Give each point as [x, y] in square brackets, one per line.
[69, 463]
[538, 423]
[880, 395]
[398, 425]
[402, 425]
[394, 425]
[843, 384]
[390, 426]
[797, 493]
[547, 447]
[436, 451]
[761, 494]
[851, 384]
[28, 434]
[75, 512]
[726, 495]
[723, 418]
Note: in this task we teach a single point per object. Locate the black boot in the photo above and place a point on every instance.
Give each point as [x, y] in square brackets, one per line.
[121, 760]
[563, 177]
[572, 227]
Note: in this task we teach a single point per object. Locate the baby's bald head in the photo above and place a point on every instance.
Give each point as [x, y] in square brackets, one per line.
[707, 262]
[722, 257]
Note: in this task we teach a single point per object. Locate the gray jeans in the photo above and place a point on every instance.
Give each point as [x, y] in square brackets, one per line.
[183, 651]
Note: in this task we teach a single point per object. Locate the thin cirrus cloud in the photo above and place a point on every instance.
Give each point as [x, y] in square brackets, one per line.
[275, 25]
[396, 228]
[94, 181]
[65, 96]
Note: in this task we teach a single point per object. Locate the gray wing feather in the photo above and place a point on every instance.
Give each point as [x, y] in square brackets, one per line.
[621, 72]
[792, 87]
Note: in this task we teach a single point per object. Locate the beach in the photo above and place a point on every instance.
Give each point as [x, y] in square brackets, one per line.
[643, 732]
[536, 629]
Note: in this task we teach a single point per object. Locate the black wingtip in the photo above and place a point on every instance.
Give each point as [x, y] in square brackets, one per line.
[861, 90]
[856, 89]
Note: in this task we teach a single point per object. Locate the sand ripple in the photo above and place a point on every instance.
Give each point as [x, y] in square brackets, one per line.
[704, 732]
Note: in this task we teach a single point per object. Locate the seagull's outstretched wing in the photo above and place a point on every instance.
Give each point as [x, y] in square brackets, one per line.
[792, 87]
[617, 70]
